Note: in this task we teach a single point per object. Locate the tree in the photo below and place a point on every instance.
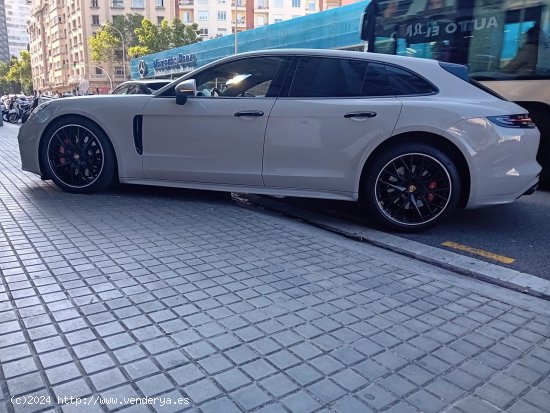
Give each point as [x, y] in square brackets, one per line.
[153, 39]
[182, 34]
[15, 75]
[104, 44]
[147, 36]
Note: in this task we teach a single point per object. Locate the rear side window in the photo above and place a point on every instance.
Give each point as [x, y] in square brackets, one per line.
[405, 82]
[377, 82]
[120, 90]
[328, 77]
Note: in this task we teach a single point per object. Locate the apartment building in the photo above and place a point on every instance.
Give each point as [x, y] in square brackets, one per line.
[59, 31]
[4, 45]
[17, 15]
[217, 18]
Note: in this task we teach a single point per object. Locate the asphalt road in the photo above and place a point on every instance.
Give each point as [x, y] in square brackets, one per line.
[518, 231]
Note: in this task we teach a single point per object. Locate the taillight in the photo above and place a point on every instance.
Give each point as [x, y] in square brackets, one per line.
[513, 121]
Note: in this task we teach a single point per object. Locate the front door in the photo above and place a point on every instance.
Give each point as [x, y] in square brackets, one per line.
[218, 135]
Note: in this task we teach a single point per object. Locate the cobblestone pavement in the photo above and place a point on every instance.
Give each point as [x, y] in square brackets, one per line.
[183, 296]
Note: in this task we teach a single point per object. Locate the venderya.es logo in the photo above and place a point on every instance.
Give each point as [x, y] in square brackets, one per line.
[142, 68]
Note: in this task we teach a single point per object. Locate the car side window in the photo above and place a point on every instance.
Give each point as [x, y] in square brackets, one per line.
[134, 90]
[120, 90]
[328, 77]
[251, 77]
[377, 82]
[405, 82]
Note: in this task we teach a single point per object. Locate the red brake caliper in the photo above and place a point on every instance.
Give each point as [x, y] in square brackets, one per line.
[62, 151]
[432, 185]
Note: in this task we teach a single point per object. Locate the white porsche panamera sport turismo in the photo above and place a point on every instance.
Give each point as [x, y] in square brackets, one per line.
[412, 139]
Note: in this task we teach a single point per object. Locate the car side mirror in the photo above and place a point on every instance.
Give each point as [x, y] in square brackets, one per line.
[184, 90]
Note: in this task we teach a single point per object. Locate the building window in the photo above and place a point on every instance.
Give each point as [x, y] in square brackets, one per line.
[222, 15]
[203, 15]
[138, 4]
[279, 4]
[159, 20]
[160, 3]
[118, 4]
[98, 71]
[222, 1]
[186, 17]
[278, 18]
[261, 4]
[222, 32]
[311, 5]
[95, 20]
[295, 3]
[118, 18]
[203, 32]
[119, 71]
[95, 4]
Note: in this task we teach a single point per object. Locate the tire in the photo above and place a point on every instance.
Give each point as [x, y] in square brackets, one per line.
[25, 116]
[13, 118]
[398, 198]
[78, 156]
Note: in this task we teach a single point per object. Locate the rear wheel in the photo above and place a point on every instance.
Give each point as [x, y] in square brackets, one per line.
[411, 187]
[78, 156]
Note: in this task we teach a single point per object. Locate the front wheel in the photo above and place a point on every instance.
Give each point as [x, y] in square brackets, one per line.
[411, 187]
[78, 156]
[13, 118]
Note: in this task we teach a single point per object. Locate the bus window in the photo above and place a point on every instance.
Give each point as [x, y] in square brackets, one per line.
[497, 40]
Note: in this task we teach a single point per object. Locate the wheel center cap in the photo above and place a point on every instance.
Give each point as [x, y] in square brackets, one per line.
[411, 189]
[76, 156]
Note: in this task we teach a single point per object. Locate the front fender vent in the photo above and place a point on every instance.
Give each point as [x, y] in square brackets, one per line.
[138, 139]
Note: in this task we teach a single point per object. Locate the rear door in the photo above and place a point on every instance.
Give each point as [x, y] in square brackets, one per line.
[318, 134]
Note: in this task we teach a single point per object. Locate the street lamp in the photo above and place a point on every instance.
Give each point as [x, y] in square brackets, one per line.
[100, 68]
[123, 49]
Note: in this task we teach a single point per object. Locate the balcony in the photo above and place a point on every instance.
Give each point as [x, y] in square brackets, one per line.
[240, 5]
[186, 3]
[95, 76]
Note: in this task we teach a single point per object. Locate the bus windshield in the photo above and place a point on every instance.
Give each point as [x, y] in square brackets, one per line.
[497, 39]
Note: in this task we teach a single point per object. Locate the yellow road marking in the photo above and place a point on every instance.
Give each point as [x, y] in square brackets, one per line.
[485, 254]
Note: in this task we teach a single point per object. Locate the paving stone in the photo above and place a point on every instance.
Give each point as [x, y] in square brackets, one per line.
[258, 369]
[279, 385]
[350, 404]
[376, 396]
[232, 379]
[107, 379]
[185, 374]
[425, 402]
[304, 374]
[301, 402]
[251, 397]
[326, 390]
[473, 404]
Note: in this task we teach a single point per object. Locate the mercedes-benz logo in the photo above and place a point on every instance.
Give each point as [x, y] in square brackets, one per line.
[142, 68]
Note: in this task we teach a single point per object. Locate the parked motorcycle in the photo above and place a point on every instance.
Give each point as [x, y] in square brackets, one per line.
[19, 108]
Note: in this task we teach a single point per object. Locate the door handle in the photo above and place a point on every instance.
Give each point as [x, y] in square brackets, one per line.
[249, 113]
[360, 115]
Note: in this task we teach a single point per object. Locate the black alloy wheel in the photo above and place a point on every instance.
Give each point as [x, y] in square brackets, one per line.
[412, 188]
[78, 156]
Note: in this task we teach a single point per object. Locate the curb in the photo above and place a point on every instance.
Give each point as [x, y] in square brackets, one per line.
[470, 267]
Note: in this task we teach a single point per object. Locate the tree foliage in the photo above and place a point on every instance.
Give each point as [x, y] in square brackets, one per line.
[141, 37]
[15, 75]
